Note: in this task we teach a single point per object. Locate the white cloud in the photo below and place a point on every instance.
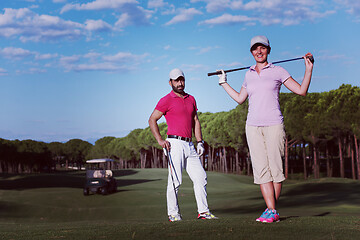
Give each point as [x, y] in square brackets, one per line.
[97, 25]
[214, 6]
[184, 15]
[98, 5]
[156, 3]
[202, 50]
[3, 72]
[15, 53]
[285, 12]
[228, 19]
[124, 57]
[46, 56]
[92, 61]
[353, 7]
[193, 68]
[31, 26]
[130, 11]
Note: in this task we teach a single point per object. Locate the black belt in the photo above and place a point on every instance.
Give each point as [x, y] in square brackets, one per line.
[180, 138]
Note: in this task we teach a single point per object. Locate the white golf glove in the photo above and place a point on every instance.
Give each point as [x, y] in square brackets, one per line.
[200, 148]
[222, 77]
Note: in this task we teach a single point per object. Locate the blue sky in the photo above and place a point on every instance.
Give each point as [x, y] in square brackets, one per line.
[89, 69]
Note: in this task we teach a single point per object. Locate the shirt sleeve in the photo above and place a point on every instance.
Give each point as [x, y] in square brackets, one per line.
[162, 105]
[244, 85]
[195, 106]
[284, 75]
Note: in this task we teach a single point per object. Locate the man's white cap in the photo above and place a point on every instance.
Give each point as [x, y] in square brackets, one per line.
[259, 39]
[175, 73]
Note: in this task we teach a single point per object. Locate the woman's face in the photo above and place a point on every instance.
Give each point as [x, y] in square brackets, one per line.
[260, 53]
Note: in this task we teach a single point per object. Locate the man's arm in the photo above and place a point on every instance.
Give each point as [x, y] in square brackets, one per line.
[155, 116]
[198, 136]
[197, 129]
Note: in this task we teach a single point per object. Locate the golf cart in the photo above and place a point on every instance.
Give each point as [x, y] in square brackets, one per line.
[99, 179]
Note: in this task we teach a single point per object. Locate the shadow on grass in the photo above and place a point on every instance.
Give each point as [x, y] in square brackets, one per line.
[321, 194]
[310, 195]
[60, 180]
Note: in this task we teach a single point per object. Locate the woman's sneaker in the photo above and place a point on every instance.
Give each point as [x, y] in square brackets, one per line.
[263, 216]
[207, 215]
[175, 218]
[273, 216]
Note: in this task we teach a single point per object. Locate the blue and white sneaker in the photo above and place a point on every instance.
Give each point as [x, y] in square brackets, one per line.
[263, 216]
[273, 216]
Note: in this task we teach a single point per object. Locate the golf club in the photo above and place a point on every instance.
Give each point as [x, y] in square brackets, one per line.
[171, 166]
[238, 69]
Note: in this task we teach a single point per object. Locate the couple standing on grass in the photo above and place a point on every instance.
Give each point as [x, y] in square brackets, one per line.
[264, 130]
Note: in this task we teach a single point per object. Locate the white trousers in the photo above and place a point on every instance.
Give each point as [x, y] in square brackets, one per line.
[184, 156]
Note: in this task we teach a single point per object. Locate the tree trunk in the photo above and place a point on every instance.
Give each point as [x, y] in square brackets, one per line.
[352, 163]
[142, 160]
[225, 160]
[237, 165]
[357, 150]
[304, 160]
[210, 159]
[248, 162]
[328, 173]
[315, 154]
[342, 171]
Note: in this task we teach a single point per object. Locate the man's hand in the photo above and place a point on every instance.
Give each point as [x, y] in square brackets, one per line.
[222, 77]
[200, 148]
[164, 144]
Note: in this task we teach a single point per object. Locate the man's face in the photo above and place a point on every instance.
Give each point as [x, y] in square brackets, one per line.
[178, 85]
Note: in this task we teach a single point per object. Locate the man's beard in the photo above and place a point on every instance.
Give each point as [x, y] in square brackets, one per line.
[180, 91]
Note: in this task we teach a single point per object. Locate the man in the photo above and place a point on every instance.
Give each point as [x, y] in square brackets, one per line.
[180, 111]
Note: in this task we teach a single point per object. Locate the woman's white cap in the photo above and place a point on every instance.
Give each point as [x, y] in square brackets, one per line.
[175, 73]
[259, 39]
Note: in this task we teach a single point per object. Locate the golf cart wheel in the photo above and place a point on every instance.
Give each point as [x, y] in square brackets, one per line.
[86, 191]
[103, 191]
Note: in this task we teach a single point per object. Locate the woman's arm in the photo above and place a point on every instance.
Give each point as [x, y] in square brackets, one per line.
[294, 86]
[239, 97]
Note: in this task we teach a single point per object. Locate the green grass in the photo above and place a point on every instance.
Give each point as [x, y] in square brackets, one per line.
[51, 206]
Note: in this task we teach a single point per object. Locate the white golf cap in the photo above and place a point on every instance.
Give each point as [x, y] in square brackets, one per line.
[259, 39]
[175, 73]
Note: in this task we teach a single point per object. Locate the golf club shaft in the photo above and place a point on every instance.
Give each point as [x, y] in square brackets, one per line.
[171, 166]
[238, 69]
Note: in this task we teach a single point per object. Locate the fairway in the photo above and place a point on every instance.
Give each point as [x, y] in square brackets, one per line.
[51, 206]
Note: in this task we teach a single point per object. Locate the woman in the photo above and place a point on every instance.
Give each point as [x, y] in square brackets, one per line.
[264, 125]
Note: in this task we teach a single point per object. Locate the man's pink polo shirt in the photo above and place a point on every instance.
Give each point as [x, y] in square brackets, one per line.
[179, 113]
[263, 93]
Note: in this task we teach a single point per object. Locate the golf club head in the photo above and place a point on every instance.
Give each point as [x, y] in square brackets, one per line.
[311, 58]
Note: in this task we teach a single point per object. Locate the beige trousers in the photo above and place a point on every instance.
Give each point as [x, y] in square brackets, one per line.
[266, 146]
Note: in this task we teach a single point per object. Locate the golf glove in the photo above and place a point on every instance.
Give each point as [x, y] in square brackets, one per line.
[200, 148]
[222, 77]
[165, 152]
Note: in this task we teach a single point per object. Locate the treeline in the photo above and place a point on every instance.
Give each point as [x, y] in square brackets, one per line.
[322, 140]
[30, 156]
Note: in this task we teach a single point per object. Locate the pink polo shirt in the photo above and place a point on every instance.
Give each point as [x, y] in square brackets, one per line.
[179, 113]
[263, 93]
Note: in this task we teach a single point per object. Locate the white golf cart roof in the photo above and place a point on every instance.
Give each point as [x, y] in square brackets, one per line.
[100, 160]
